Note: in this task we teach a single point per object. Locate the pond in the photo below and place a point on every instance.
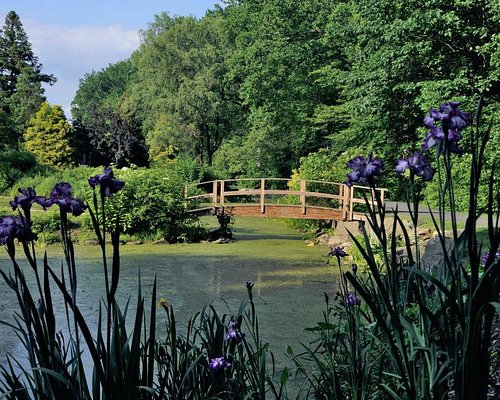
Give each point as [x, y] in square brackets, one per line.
[290, 279]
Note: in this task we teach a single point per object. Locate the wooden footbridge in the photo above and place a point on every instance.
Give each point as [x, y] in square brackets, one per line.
[280, 198]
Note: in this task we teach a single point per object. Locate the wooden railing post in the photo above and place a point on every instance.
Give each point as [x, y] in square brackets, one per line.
[222, 193]
[262, 195]
[185, 197]
[303, 195]
[351, 203]
[214, 193]
[346, 206]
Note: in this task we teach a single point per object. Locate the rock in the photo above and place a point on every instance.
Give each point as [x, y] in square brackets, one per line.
[134, 242]
[331, 241]
[424, 234]
[214, 235]
[160, 241]
[344, 227]
[222, 241]
[433, 256]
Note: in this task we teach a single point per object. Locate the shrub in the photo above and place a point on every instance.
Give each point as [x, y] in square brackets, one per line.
[152, 205]
[14, 165]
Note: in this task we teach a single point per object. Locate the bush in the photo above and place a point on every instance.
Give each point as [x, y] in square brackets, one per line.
[15, 164]
[151, 205]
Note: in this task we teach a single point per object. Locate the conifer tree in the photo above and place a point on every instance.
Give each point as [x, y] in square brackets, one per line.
[21, 78]
[48, 137]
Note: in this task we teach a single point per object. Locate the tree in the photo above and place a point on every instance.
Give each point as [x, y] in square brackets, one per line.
[107, 132]
[104, 88]
[21, 79]
[26, 100]
[116, 138]
[400, 58]
[407, 56]
[48, 137]
[278, 47]
[180, 79]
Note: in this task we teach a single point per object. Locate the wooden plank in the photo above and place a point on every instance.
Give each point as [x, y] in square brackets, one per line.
[200, 196]
[214, 193]
[249, 192]
[284, 211]
[222, 194]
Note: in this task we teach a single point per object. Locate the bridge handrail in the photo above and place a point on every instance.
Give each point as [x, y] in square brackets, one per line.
[346, 195]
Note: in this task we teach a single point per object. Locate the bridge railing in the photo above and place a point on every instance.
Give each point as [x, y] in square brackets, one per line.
[277, 191]
[359, 195]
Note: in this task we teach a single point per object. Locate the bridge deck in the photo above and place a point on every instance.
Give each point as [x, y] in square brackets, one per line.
[273, 211]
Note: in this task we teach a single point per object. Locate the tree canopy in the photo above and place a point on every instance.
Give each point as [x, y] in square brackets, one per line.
[257, 86]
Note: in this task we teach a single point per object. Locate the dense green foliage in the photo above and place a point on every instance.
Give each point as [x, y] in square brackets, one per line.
[151, 205]
[106, 134]
[257, 86]
[14, 165]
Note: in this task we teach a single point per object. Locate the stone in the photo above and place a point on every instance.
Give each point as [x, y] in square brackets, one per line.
[433, 255]
[134, 242]
[222, 240]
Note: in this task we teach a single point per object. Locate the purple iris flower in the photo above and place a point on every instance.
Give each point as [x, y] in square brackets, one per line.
[27, 199]
[485, 257]
[452, 120]
[451, 116]
[233, 332]
[436, 135]
[337, 252]
[352, 300]
[418, 164]
[11, 228]
[62, 195]
[363, 168]
[107, 182]
[354, 268]
[218, 363]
